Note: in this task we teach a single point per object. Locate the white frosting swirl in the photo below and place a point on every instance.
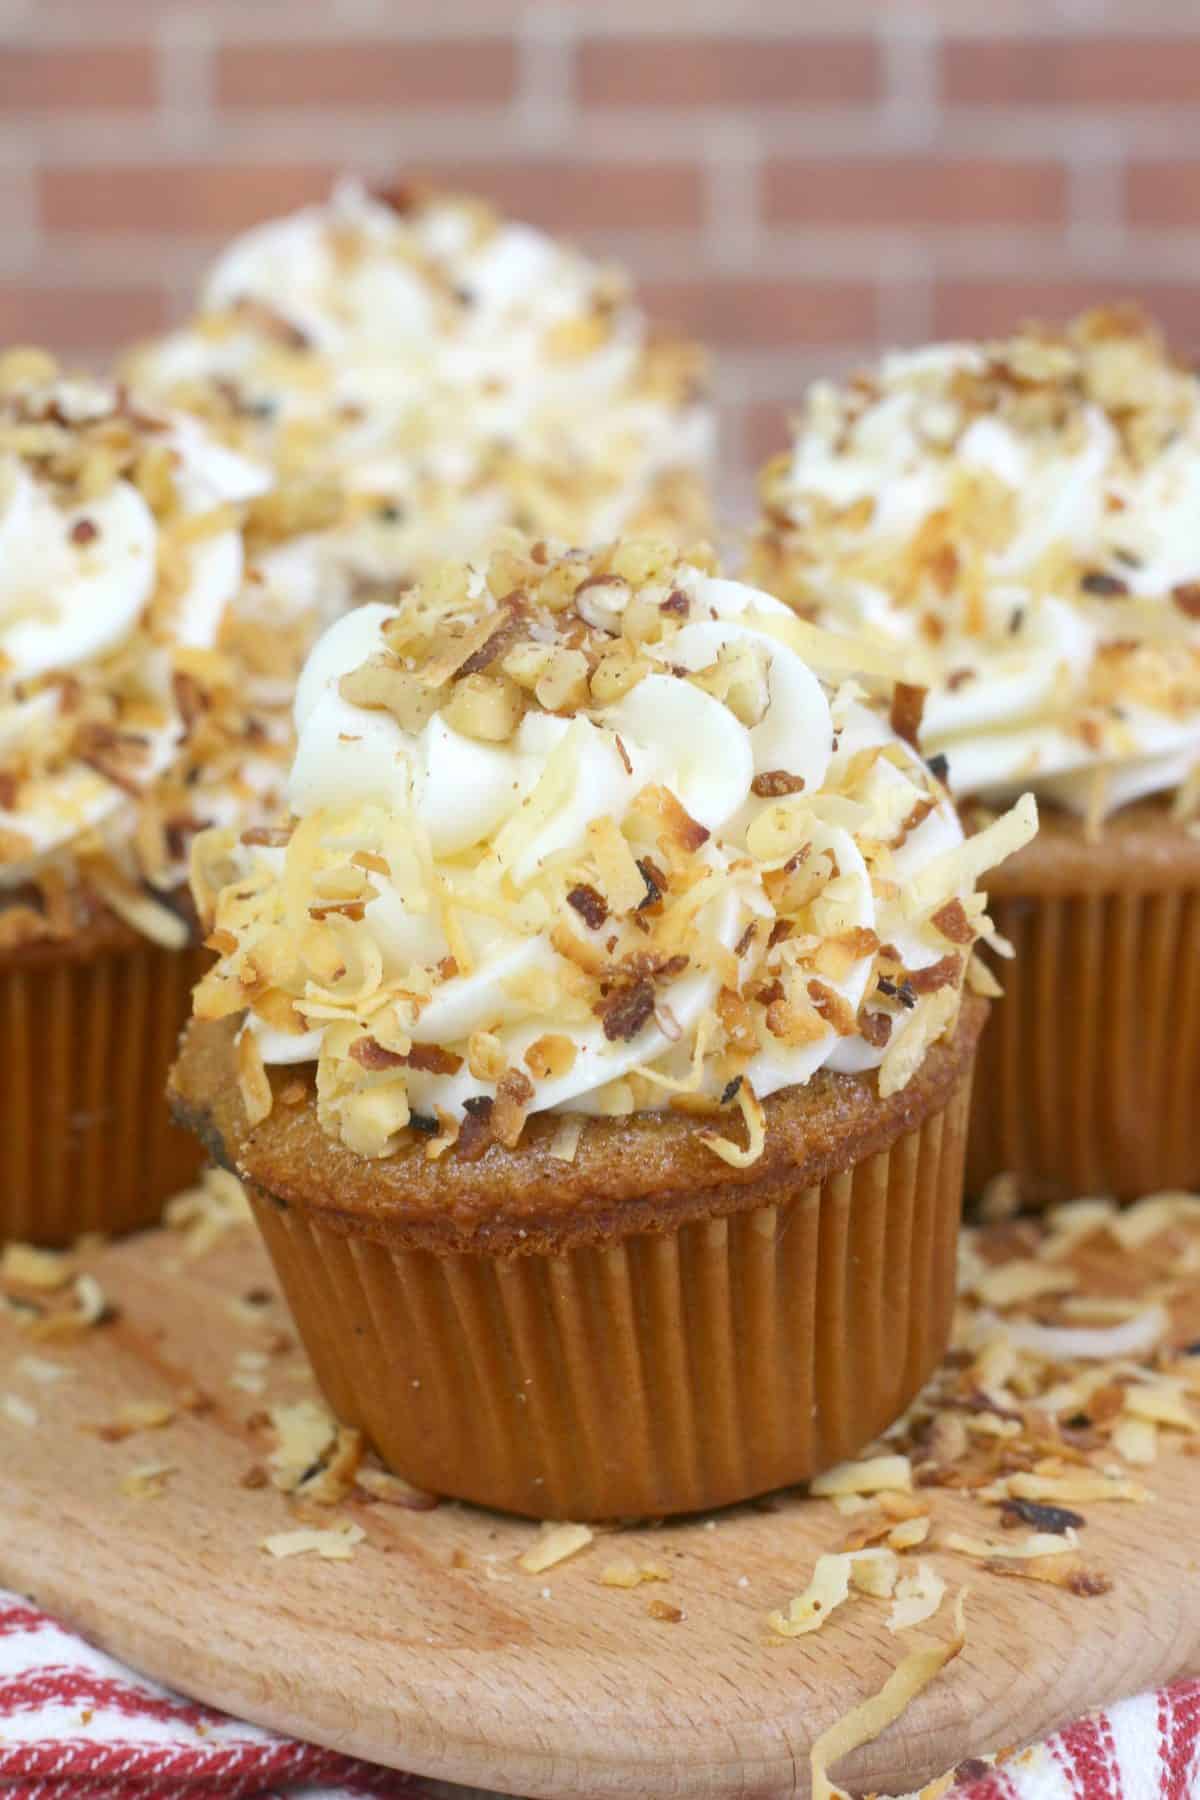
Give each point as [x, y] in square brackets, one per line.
[503, 863]
[463, 371]
[1023, 516]
[90, 630]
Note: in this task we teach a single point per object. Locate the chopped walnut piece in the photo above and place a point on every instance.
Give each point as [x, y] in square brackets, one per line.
[589, 904]
[514, 1092]
[772, 783]
[550, 1056]
[934, 976]
[626, 1010]
[952, 921]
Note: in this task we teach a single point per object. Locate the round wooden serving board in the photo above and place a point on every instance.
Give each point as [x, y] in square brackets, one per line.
[432, 1651]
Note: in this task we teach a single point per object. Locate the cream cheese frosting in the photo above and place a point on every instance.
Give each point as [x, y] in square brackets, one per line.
[125, 714]
[1022, 516]
[588, 833]
[454, 371]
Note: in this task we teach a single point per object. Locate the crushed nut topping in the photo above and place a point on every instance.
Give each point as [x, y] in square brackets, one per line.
[143, 697]
[611, 901]
[1035, 574]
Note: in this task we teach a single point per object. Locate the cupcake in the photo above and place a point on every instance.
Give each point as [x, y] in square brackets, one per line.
[141, 699]
[1019, 521]
[459, 372]
[596, 1044]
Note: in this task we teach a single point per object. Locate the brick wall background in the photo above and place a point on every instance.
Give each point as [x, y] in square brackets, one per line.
[798, 180]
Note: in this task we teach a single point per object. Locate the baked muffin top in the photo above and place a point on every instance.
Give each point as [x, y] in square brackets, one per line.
[141, 685]
[586, 833]
[456, 370]
[1023, 514]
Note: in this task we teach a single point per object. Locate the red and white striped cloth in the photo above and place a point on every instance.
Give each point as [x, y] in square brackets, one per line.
[75, 1725]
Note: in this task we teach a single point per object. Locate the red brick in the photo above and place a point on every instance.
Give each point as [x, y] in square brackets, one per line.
[741, 312]
[462, 72]
[72, 319]
[576, 197]
[704, 71]
[192, 198]
[1071, 71]
[900, 191]
[995, 307]
[100, 78]
[1160, 192]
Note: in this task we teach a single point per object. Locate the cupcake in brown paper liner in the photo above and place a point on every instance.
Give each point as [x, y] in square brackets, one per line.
[455, 370]
[143, 695]
[602, 1089]
[1015, 524]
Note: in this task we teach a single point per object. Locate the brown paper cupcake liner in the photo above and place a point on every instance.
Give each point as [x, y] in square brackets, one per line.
[88, 1031]
[659, 1373]
[1088, 1079]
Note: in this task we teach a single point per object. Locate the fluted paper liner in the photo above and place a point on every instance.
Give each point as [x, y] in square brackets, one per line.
[1088, 1079]
[87, 1035]
[657, 1374]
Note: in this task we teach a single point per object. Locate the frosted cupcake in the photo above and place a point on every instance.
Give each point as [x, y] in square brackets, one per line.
[603, 1087]
[140, 701]
[459, 371]
[1019, 520]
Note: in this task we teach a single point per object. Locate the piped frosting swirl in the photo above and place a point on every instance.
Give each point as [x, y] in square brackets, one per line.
[453, 371]
[588, 834]
[133, 703]
[1022, 516]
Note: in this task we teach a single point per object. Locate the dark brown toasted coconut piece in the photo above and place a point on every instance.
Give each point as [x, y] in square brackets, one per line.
[1141, 849]
[648, 1172]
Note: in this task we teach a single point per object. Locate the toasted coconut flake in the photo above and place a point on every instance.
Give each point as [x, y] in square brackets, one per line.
[1135, 1441]
[381, 1484]
[906, 1051]
[866, 1721]
[1066, 1343]
[1038, 1543]
[253, 1084]
[19, 1411]
[148, 1481]
[1069, 1572]
[564, 1145]
[204, 1214]
[625, 1573]
[1016, 1282]
[148, 917]
[981, 980]
[332, 1543]
[40, 1370]
[554, 1545]
[756, 1132]
[909, 1533]
[1078, 1488]
[875, 1572]
[23, 1265]
[917, 1598]
[1142, 1223]
[137, 1415]
[1162, 1404]
[957, 871]
[305, 1433]
[869, 1477]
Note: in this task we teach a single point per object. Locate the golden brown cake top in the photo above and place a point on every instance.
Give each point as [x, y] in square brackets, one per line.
[586, 833]
[1023, 513]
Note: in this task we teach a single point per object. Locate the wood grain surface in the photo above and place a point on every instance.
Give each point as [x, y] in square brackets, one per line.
[431, 1650]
